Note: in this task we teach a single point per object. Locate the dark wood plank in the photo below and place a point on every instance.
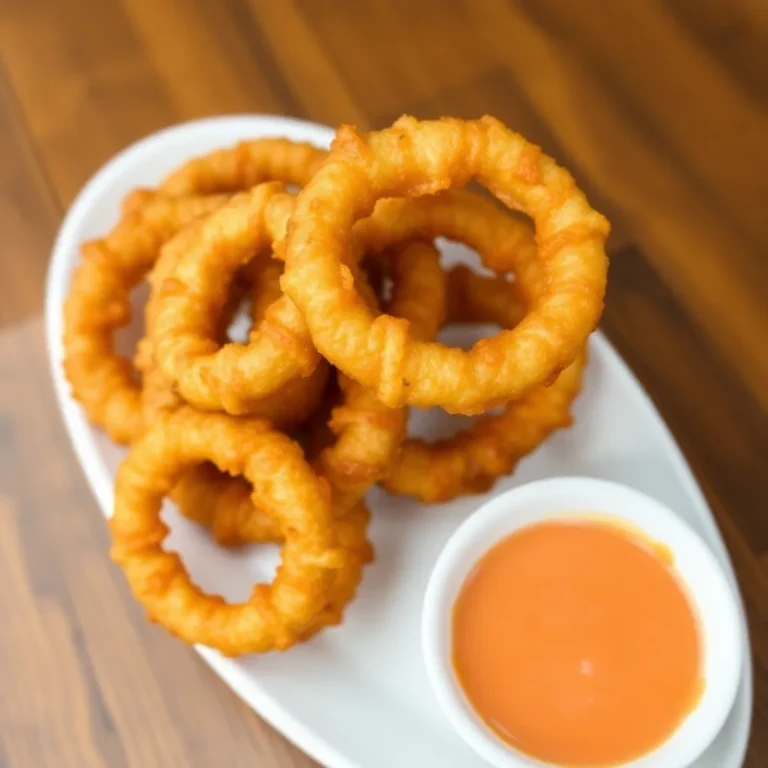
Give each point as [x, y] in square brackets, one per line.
[392, 54]
[734, 34]
[716, 134]
[28, 213]
[726, 444]
[83, 81]
[308, 66]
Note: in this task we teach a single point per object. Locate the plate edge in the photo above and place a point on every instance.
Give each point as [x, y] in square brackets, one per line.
[78, 430]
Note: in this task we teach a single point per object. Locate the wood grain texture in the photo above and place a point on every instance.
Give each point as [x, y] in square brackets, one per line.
[658, 108]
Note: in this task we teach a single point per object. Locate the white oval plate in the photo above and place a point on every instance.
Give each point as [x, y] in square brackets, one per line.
[358, 696]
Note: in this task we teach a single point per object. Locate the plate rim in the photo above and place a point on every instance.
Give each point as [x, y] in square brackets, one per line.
[79, 429]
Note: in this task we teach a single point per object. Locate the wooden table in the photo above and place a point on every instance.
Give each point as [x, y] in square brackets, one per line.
[657, 107]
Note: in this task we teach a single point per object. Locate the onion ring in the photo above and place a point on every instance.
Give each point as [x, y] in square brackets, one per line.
[229, 377]
[224, 504]
[366, 437]
[471, 461]
[284, 486]
[415, 158]
[288, 406]
[243, 166]
[202, 493]
[368, 434]
[99, 301]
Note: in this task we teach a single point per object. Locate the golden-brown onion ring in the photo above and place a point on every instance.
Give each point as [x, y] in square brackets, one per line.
[415, 158]
[191, 291]
[202, 493]
[288, 406]
[368, 433]
[364, 441]
[99, 303]
[231, 377]
[243, 166]
[224, 503]
[471, 461]
[284, 486]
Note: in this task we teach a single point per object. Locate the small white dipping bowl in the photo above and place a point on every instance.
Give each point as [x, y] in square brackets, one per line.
[582, 498]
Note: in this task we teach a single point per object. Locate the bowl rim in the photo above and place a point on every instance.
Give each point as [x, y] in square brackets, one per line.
[585, 498]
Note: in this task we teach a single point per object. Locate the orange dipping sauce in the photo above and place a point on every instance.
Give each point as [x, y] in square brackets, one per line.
[575, 642]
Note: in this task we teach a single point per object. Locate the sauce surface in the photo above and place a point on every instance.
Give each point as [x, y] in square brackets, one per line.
[575, 642]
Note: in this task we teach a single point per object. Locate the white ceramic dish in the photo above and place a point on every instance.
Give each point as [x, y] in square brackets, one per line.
[359, 696]
[569, 498]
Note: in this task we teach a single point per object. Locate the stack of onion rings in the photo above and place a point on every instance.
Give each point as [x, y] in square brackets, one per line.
[345, 274]
[413, 159]
[99, 301]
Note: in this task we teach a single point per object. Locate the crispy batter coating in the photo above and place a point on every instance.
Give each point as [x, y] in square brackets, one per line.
[99, 303]
[223, 503]
[243, 166]
[205, 495]
[368, 433]
[202, 493]
[222, 227]
[365, 436]
[471, 461]
[191, 283]
[352, 536]
[287, 406]
[503, 239]
[412, 159]
[230, 377]
[265, 287]
[284, 487]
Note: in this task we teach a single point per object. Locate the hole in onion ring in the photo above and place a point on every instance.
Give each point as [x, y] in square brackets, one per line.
[230, 572]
